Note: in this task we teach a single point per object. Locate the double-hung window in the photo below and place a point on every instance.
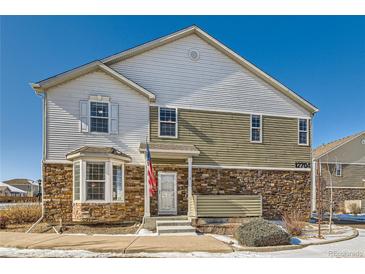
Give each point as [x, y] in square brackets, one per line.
[99, 117]
[95, 181]
[338, 169]
[77, 172]
[256, 128]
[168, 122]
[303, 131]
[117, 194]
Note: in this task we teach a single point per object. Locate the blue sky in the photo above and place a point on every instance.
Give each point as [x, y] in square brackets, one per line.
[321, 58]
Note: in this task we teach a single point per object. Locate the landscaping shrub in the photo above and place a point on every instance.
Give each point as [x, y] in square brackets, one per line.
[354, 208]
[260, 232]
[3, 222]
[21, 214]
[293, 223]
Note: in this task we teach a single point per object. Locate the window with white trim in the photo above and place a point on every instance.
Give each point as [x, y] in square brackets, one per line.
[95, 181]
[338, 169]
[77, 173]
[303, 131]
[167, 122]
[99, 117]
[117, 193]
[256, 128]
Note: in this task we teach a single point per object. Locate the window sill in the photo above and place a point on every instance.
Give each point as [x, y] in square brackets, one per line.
[168, 137]
[98, 202]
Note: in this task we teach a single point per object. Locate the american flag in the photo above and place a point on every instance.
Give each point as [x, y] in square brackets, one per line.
[152, 182]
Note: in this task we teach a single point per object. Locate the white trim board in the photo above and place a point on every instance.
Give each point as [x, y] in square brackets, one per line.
[43, 85]
[227, 111]
[347, 187]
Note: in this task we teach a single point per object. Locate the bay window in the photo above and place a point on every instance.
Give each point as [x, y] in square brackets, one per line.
[95, 181]
[117, 194]
[77, 175]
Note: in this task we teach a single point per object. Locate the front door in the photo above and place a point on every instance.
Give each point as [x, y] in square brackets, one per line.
[167, 194]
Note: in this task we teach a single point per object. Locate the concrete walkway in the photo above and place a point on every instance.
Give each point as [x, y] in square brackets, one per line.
[115, 244]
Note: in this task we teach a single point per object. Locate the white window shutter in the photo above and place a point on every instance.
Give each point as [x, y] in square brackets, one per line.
[114, 114]
[84, 116]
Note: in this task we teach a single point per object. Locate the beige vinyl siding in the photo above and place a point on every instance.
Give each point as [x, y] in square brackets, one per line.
[352, 175]
[224, 139]
[227, 206]
[163, 161]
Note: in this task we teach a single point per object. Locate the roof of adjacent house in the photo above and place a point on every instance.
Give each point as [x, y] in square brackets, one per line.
[169, 147]
[11, 188]
[20, 181]
[326, 148]
[97, 150]
[102, 64]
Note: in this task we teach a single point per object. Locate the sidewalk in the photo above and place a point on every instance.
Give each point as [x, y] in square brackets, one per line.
[116, 244]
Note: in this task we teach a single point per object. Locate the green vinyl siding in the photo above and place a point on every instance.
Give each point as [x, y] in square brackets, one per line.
[352, 175]
[224, 139]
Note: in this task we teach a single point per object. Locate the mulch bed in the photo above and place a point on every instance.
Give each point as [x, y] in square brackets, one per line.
[76, 229]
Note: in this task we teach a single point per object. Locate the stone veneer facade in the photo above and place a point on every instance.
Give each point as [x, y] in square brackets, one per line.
[281, 191]
[57, 198]
[340, 195]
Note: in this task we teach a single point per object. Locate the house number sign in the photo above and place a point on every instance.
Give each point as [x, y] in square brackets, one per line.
[302, 165]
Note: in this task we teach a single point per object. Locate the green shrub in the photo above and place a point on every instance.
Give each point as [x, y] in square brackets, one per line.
[21, 214]
[260, 232]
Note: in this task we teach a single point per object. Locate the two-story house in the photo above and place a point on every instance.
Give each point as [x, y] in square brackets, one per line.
[341, 165]
[215, 123]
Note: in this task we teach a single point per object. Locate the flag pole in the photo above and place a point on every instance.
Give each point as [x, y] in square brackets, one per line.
[146, 186]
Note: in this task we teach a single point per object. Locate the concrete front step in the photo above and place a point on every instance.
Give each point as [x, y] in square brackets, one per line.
[171, 218]
[175, 229]
[173, 223]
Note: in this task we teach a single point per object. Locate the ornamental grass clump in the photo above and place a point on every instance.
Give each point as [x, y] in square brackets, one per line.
[21, 214]
[293, 223]
[260, 232]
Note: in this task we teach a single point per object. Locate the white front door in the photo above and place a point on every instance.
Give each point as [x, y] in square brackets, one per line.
[167, 194]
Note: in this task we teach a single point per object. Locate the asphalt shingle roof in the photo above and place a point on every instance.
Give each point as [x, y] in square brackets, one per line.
[323, 149]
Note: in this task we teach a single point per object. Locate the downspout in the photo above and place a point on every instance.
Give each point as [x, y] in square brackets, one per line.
[43, 157]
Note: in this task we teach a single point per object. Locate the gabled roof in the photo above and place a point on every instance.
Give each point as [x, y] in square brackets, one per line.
[163, 41]
[327, 148]
[20, 181]
[219, 46]
[93, 66]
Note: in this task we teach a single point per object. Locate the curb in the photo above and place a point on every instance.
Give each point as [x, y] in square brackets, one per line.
[355, 233]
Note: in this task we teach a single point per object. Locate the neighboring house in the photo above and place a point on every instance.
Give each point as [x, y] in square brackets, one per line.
[7, 190]
[343, 163]
[216, 125]
[29, 186]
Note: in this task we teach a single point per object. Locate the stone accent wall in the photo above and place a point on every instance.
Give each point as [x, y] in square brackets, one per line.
[281, 190]
[182, 189]
[58, 198]
[339, 197]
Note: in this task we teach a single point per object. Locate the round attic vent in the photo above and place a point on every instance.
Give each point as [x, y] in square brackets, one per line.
[194, 54]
